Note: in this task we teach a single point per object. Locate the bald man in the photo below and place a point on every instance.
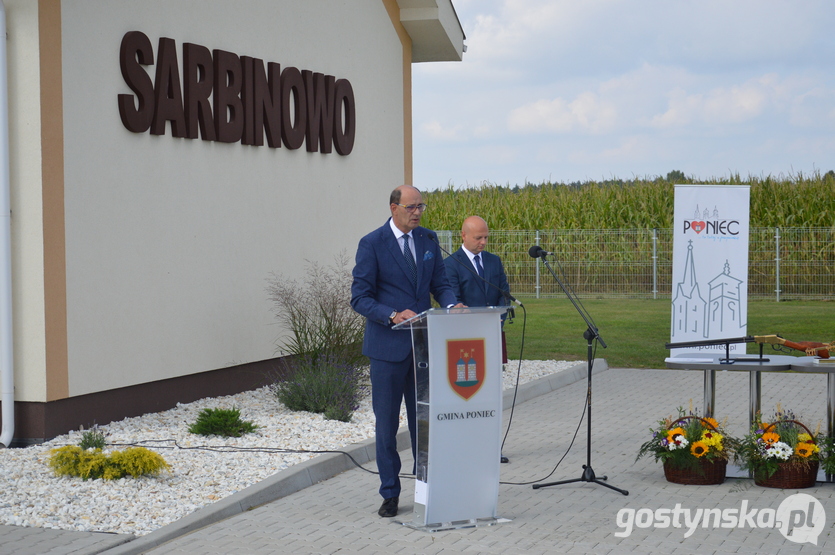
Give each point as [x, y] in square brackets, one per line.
[469, 262]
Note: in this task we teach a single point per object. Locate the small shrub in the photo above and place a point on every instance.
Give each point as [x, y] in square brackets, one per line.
[326, 372]
[138, 461]
[221, 422]
[92, 439]
[88, 464]
[326, 384]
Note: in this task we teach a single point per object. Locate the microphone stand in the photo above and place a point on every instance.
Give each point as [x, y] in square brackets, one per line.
[590, 335]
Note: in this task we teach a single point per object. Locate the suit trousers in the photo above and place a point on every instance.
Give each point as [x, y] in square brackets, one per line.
[392, 382]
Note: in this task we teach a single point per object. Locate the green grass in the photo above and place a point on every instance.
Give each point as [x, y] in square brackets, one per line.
[635, 331]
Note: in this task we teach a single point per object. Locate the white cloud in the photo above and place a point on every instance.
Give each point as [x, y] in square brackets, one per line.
[727, 105]
[435, 130]
[586, 113]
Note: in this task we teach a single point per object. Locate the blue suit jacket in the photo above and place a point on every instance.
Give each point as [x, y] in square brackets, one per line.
[468, 288]
[382, 284]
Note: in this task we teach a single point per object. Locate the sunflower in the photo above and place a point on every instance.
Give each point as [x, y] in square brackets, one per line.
[806, 449]
[771, 437]
[699, 449]
[674, 433]
[712, 421]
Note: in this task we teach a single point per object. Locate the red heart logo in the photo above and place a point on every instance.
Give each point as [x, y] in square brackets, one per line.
[698, 227]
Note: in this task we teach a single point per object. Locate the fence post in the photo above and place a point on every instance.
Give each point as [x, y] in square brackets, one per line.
[537, 287]
[655, 263]
[777, 261]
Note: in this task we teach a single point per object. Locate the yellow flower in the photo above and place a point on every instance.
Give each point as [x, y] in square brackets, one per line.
[671, 435]
[771, 437]
[699, 449]
[712, 439]
[806, 449]
[712, 421]
[804, 438]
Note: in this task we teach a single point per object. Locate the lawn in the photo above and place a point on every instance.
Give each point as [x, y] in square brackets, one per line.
[635, 331]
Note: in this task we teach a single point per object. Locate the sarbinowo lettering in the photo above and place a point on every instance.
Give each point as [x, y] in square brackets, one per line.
[229, 98]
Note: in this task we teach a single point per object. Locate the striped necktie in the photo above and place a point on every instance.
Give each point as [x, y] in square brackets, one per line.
[410, 260]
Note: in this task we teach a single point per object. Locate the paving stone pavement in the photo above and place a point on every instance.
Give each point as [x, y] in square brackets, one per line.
[338, 515]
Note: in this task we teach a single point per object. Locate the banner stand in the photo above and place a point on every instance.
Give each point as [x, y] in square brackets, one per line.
[458, 378]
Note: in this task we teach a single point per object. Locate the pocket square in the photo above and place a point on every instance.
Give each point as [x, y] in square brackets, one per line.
[428, 255]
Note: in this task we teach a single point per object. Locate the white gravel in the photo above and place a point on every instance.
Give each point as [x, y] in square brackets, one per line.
[34, 496]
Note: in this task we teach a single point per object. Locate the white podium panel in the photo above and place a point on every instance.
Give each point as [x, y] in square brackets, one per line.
[458, 362]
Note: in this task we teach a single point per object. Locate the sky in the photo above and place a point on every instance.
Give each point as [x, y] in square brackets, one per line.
[578, 90]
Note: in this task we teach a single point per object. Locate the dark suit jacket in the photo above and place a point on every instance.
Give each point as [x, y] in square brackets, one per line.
[468, 288]
[382, 284]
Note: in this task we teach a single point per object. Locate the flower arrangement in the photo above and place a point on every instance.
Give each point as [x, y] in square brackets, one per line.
[691, 445]
[783, 449]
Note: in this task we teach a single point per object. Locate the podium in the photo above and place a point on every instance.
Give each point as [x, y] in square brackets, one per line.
[458, 378]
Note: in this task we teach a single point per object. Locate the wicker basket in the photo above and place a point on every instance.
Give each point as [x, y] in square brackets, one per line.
[712, 473]
[705, 474]
[791, 476]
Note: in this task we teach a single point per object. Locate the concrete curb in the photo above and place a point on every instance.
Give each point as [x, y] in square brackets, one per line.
[321, 468]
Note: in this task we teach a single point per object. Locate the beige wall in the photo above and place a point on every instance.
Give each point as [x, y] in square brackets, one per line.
[26, 199]
[168, 241]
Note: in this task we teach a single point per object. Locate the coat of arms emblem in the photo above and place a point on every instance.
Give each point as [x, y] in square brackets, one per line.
[465, 366]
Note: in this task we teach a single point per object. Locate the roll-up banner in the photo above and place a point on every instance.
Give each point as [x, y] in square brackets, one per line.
[710, 266]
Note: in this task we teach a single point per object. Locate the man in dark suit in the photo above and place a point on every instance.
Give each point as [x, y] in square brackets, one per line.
[471, 266]
[397, 267]
[477, 276]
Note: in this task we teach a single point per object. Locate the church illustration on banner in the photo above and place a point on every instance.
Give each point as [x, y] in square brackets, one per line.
[692, 314]
[466, 369]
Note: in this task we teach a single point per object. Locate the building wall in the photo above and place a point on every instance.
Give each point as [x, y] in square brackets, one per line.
[167, 243]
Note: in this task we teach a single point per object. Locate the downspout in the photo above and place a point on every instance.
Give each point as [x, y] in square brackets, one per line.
[6, 358]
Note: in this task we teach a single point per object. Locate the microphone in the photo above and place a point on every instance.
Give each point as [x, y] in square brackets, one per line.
[538, 252]
[508, 296]
[505, 294]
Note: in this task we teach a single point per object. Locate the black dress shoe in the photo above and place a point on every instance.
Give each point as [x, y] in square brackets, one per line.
[504, 459]
[389, 507]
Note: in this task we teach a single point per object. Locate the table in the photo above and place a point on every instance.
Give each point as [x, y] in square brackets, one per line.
[808, 364]
[709, 363]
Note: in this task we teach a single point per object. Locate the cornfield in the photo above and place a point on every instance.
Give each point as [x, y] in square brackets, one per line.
[614, 239]
[797, 201]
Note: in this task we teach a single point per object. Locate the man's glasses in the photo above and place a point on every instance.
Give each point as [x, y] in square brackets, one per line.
[412, 207]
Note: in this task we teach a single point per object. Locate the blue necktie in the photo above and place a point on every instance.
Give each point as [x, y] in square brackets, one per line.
[410, 260]
[480, 269]
[478, 266]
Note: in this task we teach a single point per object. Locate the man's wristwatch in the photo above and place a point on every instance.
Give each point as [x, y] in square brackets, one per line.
[392, 316]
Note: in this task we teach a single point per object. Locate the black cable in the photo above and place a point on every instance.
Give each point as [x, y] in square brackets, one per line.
[228, 449]
[570, 445]
[518, 373]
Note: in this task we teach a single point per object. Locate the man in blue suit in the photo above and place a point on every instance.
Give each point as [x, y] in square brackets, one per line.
[477, 276]
[397, 267]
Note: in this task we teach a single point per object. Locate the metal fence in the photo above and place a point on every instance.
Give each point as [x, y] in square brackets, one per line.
[783, 263]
